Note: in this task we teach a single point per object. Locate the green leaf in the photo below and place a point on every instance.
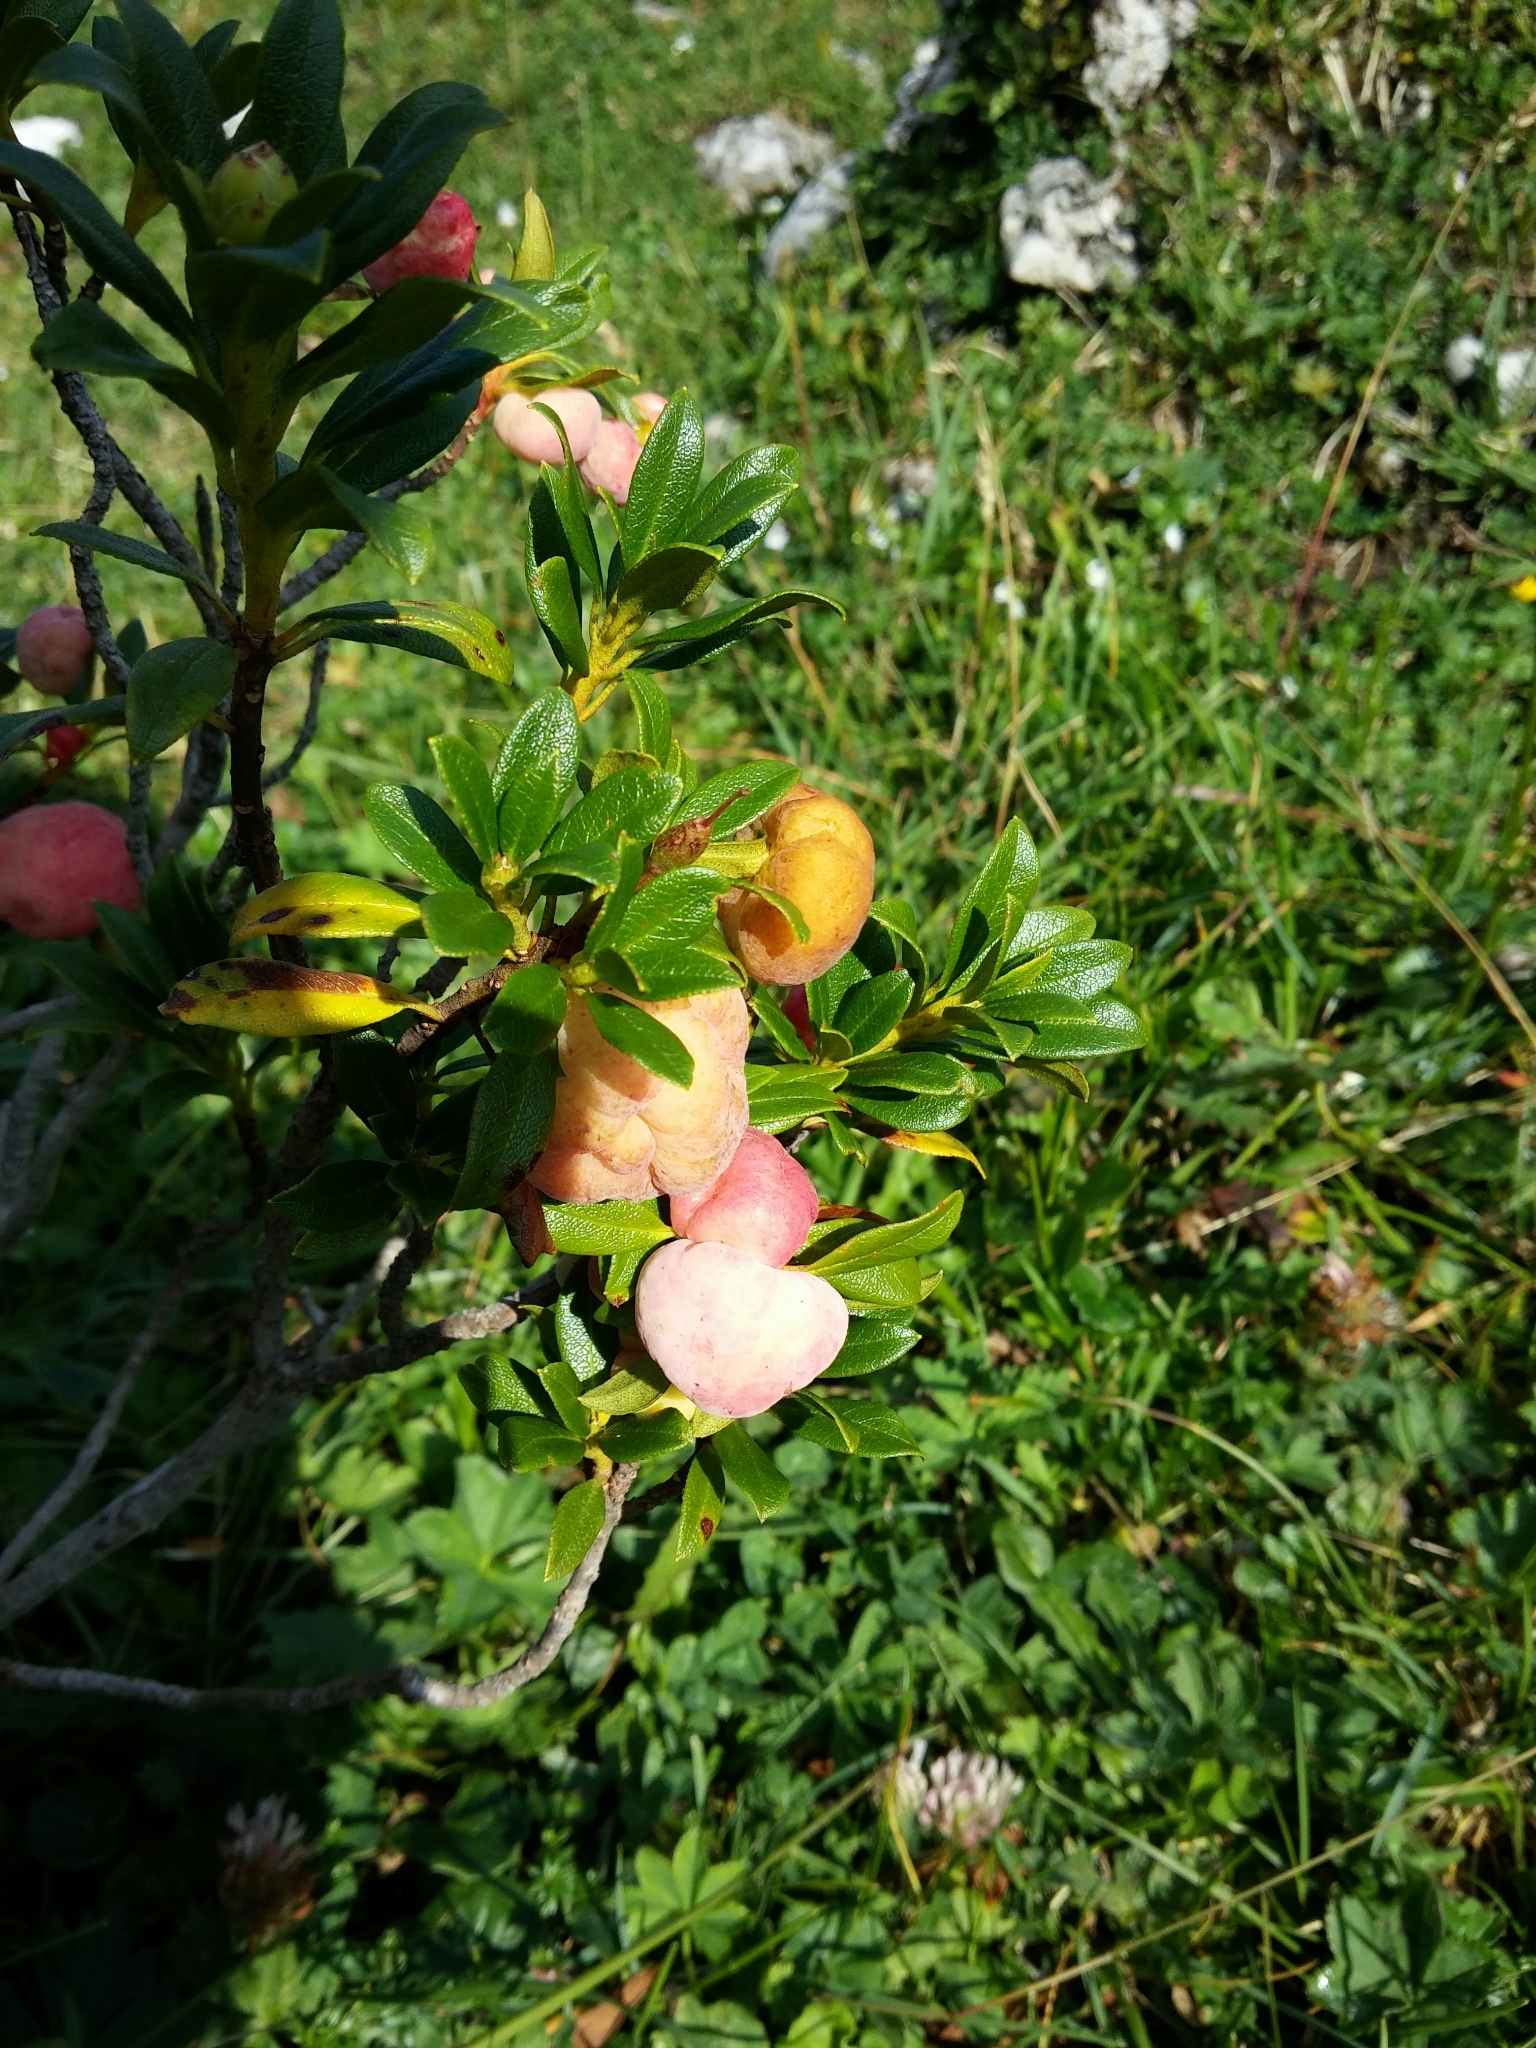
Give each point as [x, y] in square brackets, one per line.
[185, 921]
[103, 244]
[596, 1228]
[1085, 970]
[887, 1241]
[671, 577]
[17, 727]
[638, 801]
[653, 714]
[84, 337]
[880, 1431]
[783, 1098]
[904, 1112]
[298, 85]
[528, 1011]
[468, 781]
[629, 866]
[627, 1393]
[564, 1389]
[559, 873]
[636, 1439]
[779, 1029]
[352, 1195]
[138, 948]
[316, 204]
[376, 1085]
[1113, 1028]
[402, 533]
[450, 633]
[428, 1192]
[674, 909]
[687, 641]
[577, 1526]
[529, 1443]
[737, 507]
[181, 119]
[461, 923]
[116, 1000]
[421, 835]
[872, 1009]
[914, 1073]
[404, 320]
[498, 1388]
[257, 295]
[703, 1503]
[660, 971]
[122, 547]
[558, 610]
[665, 482]
[619, 1273]
[747, 791]
[578, 1347]
[514, 1109]
[871, 1345]
[873, 1290]
[1052, 926]
[558, 521]
[171, 689]
[534, 774]
[167, 1094]
[643, 1037]
[749, 1467]
[1058, 1074]
[1012, 867]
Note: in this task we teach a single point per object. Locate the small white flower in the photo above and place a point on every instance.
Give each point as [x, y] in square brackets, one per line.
[1290, 689]
[1097, 573]
[507, 215]
[1349, 1083]
[777, 538]
[1173, 538]
[682, 42]
[968, 1797]
[1131, 478]
[1006, 595]
[877, 537]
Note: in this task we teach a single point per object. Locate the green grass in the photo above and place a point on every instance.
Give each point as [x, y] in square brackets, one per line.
[1227, 1550]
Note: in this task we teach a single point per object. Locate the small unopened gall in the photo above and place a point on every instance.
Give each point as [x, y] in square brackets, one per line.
[527, 434]
[63, 743]
[442, 244]
[53, 648]
[732, 1334]
[57, 861]
[246, 191]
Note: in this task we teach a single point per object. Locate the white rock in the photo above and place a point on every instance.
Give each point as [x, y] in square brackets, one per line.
[1173, 538]
[861, 61]
[1064, 230]
[1515, 378]
[751, 155]
[1096, 574]
[1462, 359]
[817, 206]
[48, 134]
[1134, 42]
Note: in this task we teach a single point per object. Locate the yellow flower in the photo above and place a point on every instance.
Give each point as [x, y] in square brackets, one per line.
[1525, 590]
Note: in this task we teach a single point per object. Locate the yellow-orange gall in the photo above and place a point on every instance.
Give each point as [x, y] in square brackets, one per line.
[821, 857]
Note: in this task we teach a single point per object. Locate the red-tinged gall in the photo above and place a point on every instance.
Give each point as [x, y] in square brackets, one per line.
[764, 1203]
[733, 1334]
[527, 434]
[650, 405]
[57, 861]
[797, 1009]
[609, 464]
[442, 244]
[53, 648]
[246, 191]
[63, 743]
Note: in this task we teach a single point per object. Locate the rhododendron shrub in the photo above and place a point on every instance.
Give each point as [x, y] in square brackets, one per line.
[635, 989]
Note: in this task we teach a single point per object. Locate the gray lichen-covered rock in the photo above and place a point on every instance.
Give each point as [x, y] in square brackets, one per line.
[1064, 230]
[1134, 42]
[817, 206]
[752, 156]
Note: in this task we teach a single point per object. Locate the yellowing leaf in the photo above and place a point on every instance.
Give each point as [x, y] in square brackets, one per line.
[273, 1000]
[937, 1145]
[325, 906]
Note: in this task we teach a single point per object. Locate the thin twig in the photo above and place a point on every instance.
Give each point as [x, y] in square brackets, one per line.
[201, 773]
[205, 537]
[140, 783]
[19, 1022]
[233, 581]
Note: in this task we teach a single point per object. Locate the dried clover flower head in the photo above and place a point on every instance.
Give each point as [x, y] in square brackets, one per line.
[962, 1796]
[266, 1883]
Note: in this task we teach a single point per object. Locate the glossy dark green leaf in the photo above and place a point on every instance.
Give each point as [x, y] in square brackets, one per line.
[529, 1444]
[662, 971]
[887, 1241]
[636, 1439]
[665, 482]
[114, 998]
[498, 1388]
[783, 1098]
[415, 146]
[460, 923]
[104, 245]
[877, 1290]
[703, 1502]
[558, 521]
[735, 508]
[404, 320]
[450, 633]
[746, 792]
[528, 1011]
[468, 782]
[181, 119]
[121, 546]
[427, 1192]
[639, 1386]
[578, 1346]
[1013, 867]
[298, 84]
[138, 947]
[555, 604]
[171, 689]
[596, 1228]
[671, 577]
[912, 1073]
[675, 908]
[401, 532]
[84, 337]
[376, 1085]
[534, 774]
[1113, 1029]
[421, 835]
[687, 641]
[748, 1466]
[637, 801]
[629, 866]
[513, 1112]
[653, 714]
[257, 295]
[872, 1009]
[905, 1112]
[871, 1345]
[354, 1194]
[643, 1037]
[578, 1522]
